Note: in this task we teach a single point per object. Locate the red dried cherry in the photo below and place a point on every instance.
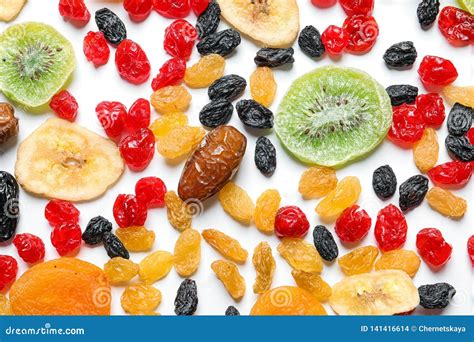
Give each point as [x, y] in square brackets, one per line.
[172, 8]
[352, 7]
[30, 247]
[437, 71]
[353, 224]
[179, 40]
[391, 228]
[95, 48]
[323, 3]
[75, 10]
[171, 73]
[132, 62]
[456, 25]
[64, 105]
[151, 192]
[454, 174]
[138, 115]
[470, 135]
[407, 126]
[199, 6]
[129, 211]
[66, 238]
[362, 31]
[470, 249]
[431, 108]
[291, 222]
[58, 212]
[138, 10]
[335, 40]
[138, 149]
[111, 116]
[8, 270]
[432, 247]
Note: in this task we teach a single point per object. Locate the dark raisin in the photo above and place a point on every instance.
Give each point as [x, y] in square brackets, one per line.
[273, 58]
[400, 55]
[221, 43]
[216, 113]
[229, 87]
[402, 93]
[254, 115]
[413, 192]
[436, 296]
[186, 301]
[232, 311]
[95, 230]
[265, 156]
[114, 246]
[9, 206]
[459, 148]
[325, 244]
[111, 26]
[208, 22]
[384, 182]
[427, 12]
[310, 42]
[460, 119]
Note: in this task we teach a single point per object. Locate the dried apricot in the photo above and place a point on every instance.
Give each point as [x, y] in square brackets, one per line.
[187, 252]
[345, 194]
[360, 260]
[237, 203]
[162, 126]
[264, 264]
[313, 283]
[207, 70]
[120, 270]
[263, 86]
[179, 215]
[5, 307]
[229, 274]
[426, 150]
[265, 211]
[300, 255]
[136, 238]
[179, 141]
[317, 182]
[171, 99]
[446, 203]
[155, 266]
[399, 259]
[229, 247]
[140, 299]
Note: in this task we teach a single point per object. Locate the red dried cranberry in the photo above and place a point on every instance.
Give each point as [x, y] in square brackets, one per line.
[352, 7]
[362, 31]
[95, 48]
[129, 211]
[8, 271]
[291, 222]
[64, 105]
[456, 25]
[323, 3]
[470, 135]
[138, 10]
[179, 40]
[75, 10]
[432, 247]
[431, 108]
[30, 247]
[132, 63]
[353, 224]
[151, 192]
[138, 149]
[199, 6]
[171, 73]
[470, 249]
[58, 212]
[391, 228]
[454, 174]
[335, 40]
[172, 8]
[66, 238]
[407, 126]
[111, 116]
[437, 71]
[138, 115]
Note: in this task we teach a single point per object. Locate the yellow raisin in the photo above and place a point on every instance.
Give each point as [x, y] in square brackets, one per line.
[360, 260]
[162, 126]
[264, 264]
[237, 203]
[179, 141]
[202, 74]
[136, 238]
[155, 266]
[266, 209]
[317, 182]
[5, 308]
[171, 99]
[229, 247]
[345, 194]
[263, 86]
[426, 150]
[140, 299]
[462, 95]
[313, 283]
[399, 259]
[120, 270]
[179, 215]
[228, 273]
[187, 252]
[300, 255]
[446, 203]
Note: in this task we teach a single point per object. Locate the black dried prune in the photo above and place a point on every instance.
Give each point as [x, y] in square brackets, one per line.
[229, 87]
[460, 119]
[265, 156]
[400, 55]
[436, 296]
[208, 22]
[325, 244]
[111, 26]
[427, 12]
[95, 230]
[216, 113]
[413, 192]
[114, 246]
[384, 182]
[232, 311]
[186, 301]
[9, 206]
[310, 42]
[254, 115]
[402, 93]
[274, 58]
[221, 43]
[459, 148]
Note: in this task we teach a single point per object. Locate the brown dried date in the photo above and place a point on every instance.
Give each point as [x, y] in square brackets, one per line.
[8, 123]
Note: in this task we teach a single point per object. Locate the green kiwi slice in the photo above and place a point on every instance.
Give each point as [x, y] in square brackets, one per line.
[332, 116]
[35, 63]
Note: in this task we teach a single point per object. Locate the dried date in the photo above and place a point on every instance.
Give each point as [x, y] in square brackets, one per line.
[222, 43]
[254, 115]
[229, 87]
[216, 113]
[8, 123]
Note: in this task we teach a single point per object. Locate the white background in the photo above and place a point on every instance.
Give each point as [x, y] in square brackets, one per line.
[397, 20]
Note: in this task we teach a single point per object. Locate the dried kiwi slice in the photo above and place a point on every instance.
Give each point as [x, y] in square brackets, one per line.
[35, 62]
[333, 115]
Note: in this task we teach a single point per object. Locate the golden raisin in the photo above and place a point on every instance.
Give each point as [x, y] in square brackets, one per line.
[426, 150]
[120, 270]
[179, 141]
[202, 74]
[345, 194]
[313, 283]
[300, 255]
[179, 215]
[263, 86]
[237, 203]
[229, 247]
[171, 99]
[155, 266]
[462, 95]
[140, 299]
[446, 203]
[136, 238]
[360, 260]
[264, 264]
[317, 182]
[187, 252]
[266, 209]
[5, 308]
[162, 126]
[229, 274]
[399, 259]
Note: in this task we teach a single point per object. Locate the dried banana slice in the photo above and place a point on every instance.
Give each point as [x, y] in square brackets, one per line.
[9, 9]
